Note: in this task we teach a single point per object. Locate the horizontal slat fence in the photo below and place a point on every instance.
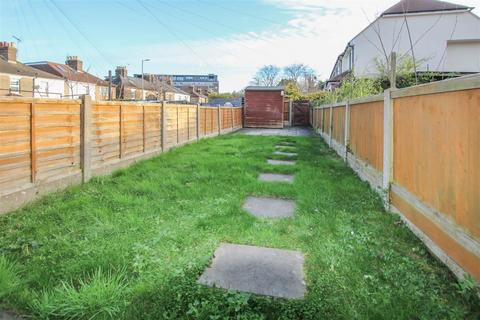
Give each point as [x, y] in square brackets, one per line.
[419, 148]
[48, 144]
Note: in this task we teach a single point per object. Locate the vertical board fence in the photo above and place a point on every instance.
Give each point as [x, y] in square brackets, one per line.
[419, 148]
[48, 144]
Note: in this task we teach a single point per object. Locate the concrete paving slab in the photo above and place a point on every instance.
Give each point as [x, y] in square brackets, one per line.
[285, 132]
[273, 177]
[281, 162]
[287, 154]
[286, 147]
[263, 271]
[262, 207]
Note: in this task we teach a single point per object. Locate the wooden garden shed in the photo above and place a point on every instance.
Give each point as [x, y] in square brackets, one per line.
[264, 107]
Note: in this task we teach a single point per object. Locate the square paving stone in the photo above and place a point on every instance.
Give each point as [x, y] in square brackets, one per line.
[281, 162]
[273, 177]
[287, 154]
[269, 207]
[263, 271]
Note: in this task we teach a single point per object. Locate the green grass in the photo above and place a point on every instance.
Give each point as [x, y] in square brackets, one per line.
[132, 245]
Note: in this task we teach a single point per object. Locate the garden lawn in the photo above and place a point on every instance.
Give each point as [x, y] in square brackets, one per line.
[132, 245]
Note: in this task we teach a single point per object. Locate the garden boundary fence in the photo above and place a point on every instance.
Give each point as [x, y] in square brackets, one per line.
[419, 148]
[48, 144]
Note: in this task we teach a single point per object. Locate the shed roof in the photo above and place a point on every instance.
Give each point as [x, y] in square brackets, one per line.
[263, 88]
[419, 6]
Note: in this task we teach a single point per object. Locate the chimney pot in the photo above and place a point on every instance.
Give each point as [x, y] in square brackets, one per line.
[8, 51]
[121, 71]
[75, 63]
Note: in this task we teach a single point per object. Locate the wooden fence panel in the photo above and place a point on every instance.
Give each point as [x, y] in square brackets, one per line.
[172, 125]
[132, 130]
[57, 139]
[437, 153]
[153, 129]
[183, 118]
[338, 129]
[105, 133]
[192, 124]
[366, 133]
[15, 149]
[326, 121]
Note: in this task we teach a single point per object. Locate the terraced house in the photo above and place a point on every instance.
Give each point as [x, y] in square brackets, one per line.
[18, 79]
[77, 81]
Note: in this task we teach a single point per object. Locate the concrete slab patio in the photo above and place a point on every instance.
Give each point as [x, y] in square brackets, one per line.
[264, 271]
[281, 162]
[286, 132]
[262, 207]
[274, 177]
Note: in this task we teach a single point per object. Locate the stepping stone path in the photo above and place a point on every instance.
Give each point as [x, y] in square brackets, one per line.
[281, 162]
[265, 271]
[287, 154]
[269, 207]
[273, 177]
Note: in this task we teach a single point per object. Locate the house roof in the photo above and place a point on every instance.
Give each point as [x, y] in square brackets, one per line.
[262, 88]
[23, 70]
[66, 72]
[419, 6]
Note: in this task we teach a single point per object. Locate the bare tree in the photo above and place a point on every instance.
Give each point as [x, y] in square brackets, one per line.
[267, 76]
[296, 71]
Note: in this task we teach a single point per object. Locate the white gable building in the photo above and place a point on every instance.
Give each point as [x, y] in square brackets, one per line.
[445, 38]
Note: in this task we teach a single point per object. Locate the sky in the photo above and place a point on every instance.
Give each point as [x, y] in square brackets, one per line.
[230, 38]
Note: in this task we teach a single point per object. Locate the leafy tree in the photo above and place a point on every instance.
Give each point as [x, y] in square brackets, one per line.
[225, 95]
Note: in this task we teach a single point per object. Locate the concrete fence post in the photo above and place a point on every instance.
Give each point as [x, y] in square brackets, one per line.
[85, 137]
[198, 122]
[331, 127]
[231, 113]
[347, 128]
[387, 146]
[164, 126]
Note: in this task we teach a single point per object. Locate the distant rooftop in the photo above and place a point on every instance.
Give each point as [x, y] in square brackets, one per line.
[421, 6]
[263, 88]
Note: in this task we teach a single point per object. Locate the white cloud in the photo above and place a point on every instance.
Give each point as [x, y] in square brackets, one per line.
[317, 32]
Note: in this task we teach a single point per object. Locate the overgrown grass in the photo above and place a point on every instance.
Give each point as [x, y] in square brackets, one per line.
[133, 244]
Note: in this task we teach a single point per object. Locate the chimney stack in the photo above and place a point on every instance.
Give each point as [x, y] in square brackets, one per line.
[75, 63]
[8, 51]
[121, 71]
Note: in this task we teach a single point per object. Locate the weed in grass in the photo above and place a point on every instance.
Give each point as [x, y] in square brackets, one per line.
[101, 295]
[10, 281]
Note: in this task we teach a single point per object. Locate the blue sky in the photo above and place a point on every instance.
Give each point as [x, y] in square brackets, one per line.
[230, 38]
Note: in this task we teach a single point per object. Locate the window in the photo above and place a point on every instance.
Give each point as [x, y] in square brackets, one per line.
[15, 85]
[132, 94]
[104, 92]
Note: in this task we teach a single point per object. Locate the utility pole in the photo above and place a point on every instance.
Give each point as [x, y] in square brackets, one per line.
[143, 60]
[109, 85]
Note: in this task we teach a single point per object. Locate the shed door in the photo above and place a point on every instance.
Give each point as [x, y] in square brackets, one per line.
[263, 109]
